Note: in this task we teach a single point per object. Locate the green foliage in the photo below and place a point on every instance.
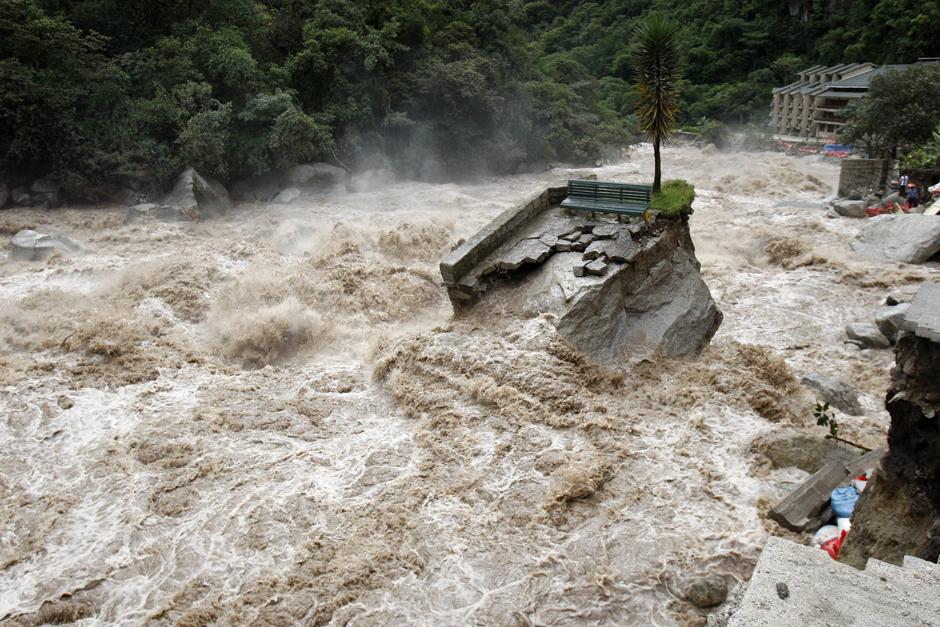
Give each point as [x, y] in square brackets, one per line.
[925, 156]
[674, 199]
[826, 419]
[115, 89]
[656, 68]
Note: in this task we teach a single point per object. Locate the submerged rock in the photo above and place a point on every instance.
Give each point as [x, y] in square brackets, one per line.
[908, 238]
[198, 197]
[836, 392]
[28, 245]
[707, 591]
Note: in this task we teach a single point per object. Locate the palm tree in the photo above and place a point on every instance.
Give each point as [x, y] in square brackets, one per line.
[656, 68]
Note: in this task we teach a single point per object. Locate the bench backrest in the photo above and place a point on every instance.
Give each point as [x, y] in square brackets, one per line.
[627, 193]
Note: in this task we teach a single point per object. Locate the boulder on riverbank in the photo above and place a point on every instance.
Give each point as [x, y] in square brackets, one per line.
[849, 208]
[908, 238]
[198, 197]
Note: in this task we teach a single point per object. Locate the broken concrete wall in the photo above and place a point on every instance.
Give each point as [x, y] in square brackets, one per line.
[899, 513]
[468, 255]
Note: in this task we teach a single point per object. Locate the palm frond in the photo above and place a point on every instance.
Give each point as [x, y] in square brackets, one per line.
[656, 66]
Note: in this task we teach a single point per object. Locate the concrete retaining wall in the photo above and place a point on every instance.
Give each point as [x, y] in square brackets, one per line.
[857, 175]
[461, 261]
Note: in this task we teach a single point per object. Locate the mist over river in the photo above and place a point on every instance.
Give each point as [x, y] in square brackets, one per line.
[271, 419]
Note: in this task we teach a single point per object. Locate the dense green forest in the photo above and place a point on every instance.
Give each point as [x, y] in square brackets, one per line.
[98, 90]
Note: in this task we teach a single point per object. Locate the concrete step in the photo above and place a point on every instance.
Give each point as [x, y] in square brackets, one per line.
[822, 591]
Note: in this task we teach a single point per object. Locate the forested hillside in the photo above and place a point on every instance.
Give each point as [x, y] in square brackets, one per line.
[116, 89]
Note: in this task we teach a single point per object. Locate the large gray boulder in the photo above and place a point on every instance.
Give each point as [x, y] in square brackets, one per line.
[321, 177]
[849, 208]
[836, 392]
[867, 335]
[28, 245]
[655, 300]
[908, 238]
[198, 197]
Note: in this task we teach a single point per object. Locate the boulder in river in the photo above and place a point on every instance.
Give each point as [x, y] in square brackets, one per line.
[867, 335]
[28, 245]
[197, 196]
[654, 297]
[707, 591]
[889, 319]
[836, 392]
[908, 238]
[849, 208]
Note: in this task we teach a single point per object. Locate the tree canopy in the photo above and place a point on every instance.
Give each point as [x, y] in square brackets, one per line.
[124, 89]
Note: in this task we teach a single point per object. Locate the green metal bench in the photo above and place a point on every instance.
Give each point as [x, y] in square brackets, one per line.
[619, 198]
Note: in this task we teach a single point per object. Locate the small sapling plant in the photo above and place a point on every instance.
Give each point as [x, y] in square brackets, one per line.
[825, 418]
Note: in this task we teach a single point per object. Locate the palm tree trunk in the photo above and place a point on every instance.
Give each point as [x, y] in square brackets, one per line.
[658, 174]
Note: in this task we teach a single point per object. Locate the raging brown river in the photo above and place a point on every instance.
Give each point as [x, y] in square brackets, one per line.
[272, 419]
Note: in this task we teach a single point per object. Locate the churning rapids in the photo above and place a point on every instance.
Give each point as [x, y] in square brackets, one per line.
[271, 418]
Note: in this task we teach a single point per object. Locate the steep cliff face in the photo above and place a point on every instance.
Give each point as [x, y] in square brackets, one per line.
[647, 296]
[657, 300]
[899, 514]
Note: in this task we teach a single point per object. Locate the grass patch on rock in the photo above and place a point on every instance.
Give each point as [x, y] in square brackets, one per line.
[674, 199]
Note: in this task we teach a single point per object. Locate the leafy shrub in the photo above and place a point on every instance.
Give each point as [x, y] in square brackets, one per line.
[674, 200]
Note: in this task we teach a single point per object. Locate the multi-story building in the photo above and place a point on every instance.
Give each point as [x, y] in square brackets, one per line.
[811, 109]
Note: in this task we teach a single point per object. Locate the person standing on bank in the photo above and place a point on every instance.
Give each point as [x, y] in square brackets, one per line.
[911, 195]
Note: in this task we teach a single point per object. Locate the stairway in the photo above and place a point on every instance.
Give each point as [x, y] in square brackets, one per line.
[825, 592]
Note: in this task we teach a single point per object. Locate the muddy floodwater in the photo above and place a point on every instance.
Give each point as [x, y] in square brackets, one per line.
[271, 419]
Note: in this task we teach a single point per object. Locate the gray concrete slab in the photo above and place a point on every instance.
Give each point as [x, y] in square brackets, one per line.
[923, 318]
[825, 592]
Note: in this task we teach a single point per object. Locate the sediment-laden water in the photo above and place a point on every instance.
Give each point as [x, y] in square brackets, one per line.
[271, 418]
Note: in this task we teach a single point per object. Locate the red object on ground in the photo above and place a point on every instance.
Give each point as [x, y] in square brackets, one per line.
[888, 208]
[833, 546]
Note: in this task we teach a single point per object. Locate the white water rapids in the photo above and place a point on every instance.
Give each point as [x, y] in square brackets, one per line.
[270, 419]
